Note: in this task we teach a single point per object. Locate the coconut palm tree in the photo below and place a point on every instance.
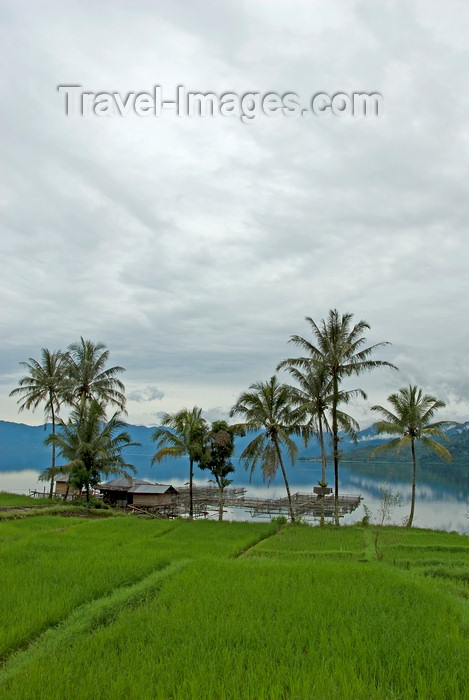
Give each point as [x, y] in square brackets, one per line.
[88, 378]
[181, 433]
[44, 383]
[313, 398]
[268, 407]
[339, 346]
[91, 446]
[411, 422]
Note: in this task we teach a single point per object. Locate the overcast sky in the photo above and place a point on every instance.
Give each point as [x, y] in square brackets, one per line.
[194, 247]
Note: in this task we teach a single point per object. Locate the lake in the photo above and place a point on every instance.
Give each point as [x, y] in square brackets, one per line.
[438, 505]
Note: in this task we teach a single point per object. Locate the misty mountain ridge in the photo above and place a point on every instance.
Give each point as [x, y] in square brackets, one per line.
[22, 447]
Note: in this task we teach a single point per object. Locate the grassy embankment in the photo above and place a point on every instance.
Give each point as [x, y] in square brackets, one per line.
[14, 499]
[14, 506]
[154, 609]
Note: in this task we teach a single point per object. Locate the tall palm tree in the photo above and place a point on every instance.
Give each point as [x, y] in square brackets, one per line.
[44, 383]
[313, 397]
[88, 377]
[181, 433]
[268, 407]
[413, 411]
[92, 446]
[339, 346]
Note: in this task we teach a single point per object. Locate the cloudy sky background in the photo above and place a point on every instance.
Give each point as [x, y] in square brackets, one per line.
[194, 247]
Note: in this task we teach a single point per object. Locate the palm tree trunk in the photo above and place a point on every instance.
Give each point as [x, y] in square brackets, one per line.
[191, 476]
[335, 446]
[414, 481]
[51, 492]
[323, 450]
[284, 474]
[323, 464]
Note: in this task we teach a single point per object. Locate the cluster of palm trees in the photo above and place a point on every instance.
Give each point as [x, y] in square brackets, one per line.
[314, 405]
[79, 381]
[337, 350]
[211, 447]
[276, 412]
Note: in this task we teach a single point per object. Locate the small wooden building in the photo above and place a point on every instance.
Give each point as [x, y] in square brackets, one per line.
[125, 491]
[63, 488]
[152, 495]
[115, 491]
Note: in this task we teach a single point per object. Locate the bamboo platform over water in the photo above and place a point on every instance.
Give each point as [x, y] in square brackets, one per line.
[206, 500]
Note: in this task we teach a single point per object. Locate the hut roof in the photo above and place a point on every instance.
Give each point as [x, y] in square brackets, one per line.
[61, 477]
[152, 488]
[122, 483]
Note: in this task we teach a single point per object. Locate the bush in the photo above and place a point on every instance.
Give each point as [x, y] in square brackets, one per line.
[95, 503]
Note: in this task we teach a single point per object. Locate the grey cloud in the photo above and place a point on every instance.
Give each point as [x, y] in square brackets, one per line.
[218, 413]
[150, 393]
[194, 248]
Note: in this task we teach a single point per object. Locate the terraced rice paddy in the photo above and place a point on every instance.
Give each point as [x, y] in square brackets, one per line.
[180, 610]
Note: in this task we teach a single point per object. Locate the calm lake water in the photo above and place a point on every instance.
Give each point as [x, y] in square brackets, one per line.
[437, 506]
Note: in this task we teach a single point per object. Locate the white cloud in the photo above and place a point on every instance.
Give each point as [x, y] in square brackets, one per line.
[194, 248]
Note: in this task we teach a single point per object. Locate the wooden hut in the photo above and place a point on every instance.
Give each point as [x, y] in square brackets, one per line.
[63, 488]
[125, 491]
[152, 495]
[115, 491]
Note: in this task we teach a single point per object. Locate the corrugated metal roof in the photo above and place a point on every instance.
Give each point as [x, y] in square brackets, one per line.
[152, 488]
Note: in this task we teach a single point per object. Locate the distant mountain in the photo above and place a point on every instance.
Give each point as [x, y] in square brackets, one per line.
[22, 447]
[365, 437]
[457, 445]
[396, 465]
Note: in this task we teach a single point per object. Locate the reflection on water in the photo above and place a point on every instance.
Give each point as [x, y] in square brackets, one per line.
[22, 482]
[436, 507]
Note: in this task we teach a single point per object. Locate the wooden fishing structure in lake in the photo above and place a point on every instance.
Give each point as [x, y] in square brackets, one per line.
[163, 500]
[206, 500]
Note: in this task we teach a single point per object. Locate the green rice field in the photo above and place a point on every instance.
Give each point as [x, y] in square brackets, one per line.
[179, 610]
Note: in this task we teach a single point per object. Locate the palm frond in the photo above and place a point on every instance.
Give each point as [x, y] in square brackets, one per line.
[437, 448]
[253, 452]
[168, 451]
[395, 444]
[268, 406]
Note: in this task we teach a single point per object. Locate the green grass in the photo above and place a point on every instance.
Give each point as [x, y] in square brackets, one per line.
[178, 610]
[13, 499]
[55, 565]
[311, 542]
